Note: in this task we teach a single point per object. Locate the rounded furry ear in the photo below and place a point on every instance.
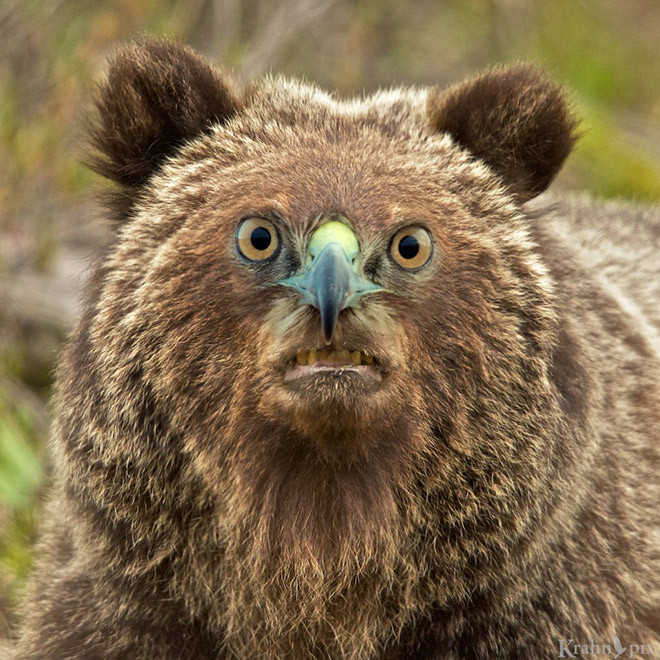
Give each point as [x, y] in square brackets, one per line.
[514, 119]
[157, 94]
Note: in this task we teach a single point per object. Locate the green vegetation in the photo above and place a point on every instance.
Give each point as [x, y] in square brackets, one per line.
[52, 52]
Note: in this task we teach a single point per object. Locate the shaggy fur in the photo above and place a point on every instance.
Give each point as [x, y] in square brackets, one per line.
[496, 494]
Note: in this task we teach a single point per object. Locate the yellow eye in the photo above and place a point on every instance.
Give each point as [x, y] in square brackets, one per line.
[411, 247]
[257, 239]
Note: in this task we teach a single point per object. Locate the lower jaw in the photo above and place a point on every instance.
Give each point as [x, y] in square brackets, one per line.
[368, 374]
[332, 386]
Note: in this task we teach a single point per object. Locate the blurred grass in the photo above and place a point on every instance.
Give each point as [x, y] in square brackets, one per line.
[51, 53]
[21, 474]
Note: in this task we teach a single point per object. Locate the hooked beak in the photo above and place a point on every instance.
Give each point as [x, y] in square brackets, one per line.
[330, 282]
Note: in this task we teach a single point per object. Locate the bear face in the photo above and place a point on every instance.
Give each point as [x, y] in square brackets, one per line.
[294, 157]
[218, 336]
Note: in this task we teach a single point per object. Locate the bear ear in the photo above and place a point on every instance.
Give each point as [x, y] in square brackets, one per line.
[157, 94]
[514, 119]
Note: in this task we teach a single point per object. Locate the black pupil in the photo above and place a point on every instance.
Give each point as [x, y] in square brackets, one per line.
[260, 238]
[408, 247]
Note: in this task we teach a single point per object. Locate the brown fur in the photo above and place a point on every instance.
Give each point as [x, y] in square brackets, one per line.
[497, 493]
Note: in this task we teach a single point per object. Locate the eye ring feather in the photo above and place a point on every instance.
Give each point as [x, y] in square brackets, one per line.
[257, 239]
[411, 247]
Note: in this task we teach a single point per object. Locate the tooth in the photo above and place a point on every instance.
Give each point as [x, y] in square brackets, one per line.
[344, 357]
[302, 357]
[369, 359]
[332, 356]
[313, 357]
[323, 355]
[356, 357]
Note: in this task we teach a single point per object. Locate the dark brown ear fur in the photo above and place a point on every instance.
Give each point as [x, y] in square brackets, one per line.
[157, 95]
[512, 118]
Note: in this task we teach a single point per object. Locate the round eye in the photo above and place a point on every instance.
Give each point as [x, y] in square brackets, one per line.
[411, 247]
[257, 239]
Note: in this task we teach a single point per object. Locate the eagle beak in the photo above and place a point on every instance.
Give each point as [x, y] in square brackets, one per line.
[330, 281]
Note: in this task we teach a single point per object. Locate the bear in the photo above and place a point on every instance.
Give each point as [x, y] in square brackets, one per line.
[345, 386]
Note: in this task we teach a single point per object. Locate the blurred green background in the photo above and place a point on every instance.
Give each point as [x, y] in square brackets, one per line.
[52, 52]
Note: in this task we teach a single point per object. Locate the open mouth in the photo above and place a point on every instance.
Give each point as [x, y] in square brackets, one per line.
[333, 363]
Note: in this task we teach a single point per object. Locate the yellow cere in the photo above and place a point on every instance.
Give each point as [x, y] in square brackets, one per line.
[334, 231]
